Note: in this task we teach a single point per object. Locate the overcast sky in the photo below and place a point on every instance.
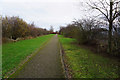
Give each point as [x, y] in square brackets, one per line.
[43, 12]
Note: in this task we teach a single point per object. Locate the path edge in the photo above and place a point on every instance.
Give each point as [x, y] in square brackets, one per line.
[11, 73]
[63, 60]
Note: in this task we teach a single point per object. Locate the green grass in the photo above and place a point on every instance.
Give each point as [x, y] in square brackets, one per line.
[86, 64]
[0, 61]
[14, 53]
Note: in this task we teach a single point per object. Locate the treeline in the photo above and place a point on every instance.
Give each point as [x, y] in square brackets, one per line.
[93, 33]
[15, 27]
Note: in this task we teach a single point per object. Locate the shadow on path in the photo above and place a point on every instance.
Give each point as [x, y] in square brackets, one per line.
[46, 64]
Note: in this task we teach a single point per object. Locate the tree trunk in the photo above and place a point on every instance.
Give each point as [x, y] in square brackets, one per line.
[110, 38]
[110, 29]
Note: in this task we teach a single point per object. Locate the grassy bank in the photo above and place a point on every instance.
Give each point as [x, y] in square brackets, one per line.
[14, 53]
[85, 64]
[0, 61]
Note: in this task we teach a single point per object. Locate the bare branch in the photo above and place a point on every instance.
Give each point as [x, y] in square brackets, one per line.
[115, 16]
[95, 6]
[116, 13]
[104, 7]
[107, 3]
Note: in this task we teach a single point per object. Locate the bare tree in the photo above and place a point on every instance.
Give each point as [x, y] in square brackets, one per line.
[110, 10]
[51, 29]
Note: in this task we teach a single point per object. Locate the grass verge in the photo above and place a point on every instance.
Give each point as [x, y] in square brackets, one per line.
[0, 61]
[14, 53]
[83, 63]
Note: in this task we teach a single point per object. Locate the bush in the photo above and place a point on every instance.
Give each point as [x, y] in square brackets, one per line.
[15, 27]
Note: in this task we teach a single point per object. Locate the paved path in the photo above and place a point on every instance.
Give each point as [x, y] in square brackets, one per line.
[46, 64]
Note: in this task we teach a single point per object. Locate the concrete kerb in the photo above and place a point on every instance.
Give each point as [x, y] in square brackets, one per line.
[63, 61]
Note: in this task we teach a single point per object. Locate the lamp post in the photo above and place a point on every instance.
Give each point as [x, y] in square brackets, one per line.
[110, 27]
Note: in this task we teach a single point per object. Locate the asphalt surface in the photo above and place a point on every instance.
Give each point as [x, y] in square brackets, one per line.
[45, 64]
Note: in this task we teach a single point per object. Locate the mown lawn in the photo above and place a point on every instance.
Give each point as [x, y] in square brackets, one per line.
[86, 64]
[0, 61]
[14, 53]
